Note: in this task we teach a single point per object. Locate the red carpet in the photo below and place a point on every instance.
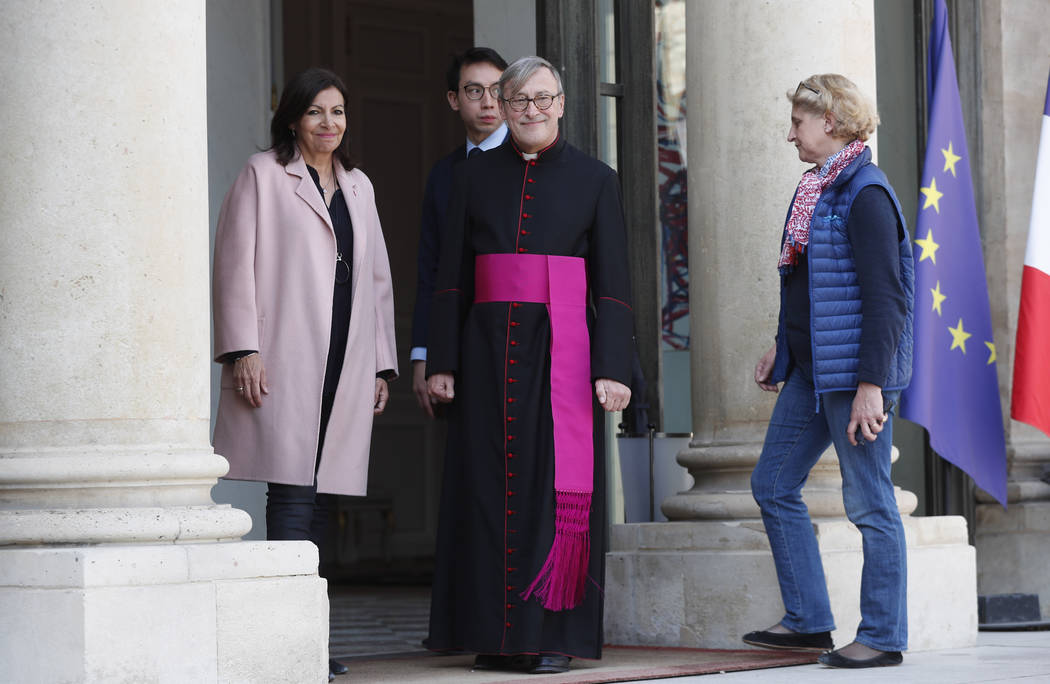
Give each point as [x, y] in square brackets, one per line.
[618, 664]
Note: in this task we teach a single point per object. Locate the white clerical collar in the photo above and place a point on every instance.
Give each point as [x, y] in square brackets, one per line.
[495, 139]
[529, 156]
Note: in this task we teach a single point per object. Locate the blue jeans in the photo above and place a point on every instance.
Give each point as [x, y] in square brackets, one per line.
[796, 438]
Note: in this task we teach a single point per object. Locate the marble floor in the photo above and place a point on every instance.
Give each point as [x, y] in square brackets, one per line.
[372, 621]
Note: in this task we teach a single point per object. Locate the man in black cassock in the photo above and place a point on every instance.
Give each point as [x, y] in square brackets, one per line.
[500, 565]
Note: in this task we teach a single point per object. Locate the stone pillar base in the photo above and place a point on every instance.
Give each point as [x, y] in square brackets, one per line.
[228, 612]
[706, 584]
[1014, 547]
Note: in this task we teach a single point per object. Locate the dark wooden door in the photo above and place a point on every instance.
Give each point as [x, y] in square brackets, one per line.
[392, 55]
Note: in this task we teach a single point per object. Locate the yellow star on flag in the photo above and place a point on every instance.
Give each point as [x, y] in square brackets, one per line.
[950, 158]
[937, 297]
[932, 195]
[991, 352]
[959, 337]
[929, 247]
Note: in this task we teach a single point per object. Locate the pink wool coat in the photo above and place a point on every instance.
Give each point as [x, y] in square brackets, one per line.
[275, 256]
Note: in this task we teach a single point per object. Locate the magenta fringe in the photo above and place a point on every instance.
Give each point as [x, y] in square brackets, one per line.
[560, 583]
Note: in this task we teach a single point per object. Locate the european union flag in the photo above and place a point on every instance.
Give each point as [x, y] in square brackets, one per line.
[954, 391]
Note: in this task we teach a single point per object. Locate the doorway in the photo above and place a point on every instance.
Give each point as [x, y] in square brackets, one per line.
[392, 56]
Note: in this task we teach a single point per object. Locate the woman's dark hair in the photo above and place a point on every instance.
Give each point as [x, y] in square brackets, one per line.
[297, 97]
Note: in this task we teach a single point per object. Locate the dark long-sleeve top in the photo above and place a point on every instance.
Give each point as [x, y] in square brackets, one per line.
[874, 234]
[432, 221]
[341, 293]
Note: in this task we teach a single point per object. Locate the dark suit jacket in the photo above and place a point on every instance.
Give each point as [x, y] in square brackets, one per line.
[432, 221]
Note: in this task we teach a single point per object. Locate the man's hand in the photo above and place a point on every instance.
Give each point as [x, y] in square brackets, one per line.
[867, 413]
[419, 387]
[441, 387]
[612, 395]
[764, 369]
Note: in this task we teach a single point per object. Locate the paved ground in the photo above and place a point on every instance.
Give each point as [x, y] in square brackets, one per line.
[1015, 657]
[370, 621]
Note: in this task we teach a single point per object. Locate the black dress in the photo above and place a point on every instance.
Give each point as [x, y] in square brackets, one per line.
[497, 508]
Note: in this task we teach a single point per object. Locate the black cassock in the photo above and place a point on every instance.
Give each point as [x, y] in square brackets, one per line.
[497, 506]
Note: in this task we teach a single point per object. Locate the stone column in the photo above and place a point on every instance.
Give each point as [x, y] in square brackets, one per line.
[1013, 544]
[708, 579]
[115, 563]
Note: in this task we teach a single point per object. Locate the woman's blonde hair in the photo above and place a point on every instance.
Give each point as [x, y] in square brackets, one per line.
[855, 113]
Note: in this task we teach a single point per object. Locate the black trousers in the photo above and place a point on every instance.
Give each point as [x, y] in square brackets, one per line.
[298, 512]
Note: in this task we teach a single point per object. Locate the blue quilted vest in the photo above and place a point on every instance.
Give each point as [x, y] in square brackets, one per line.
[834, 295]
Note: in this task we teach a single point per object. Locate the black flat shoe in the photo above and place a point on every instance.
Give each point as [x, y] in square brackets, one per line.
[884, 659]
[336, 667]
[817, 642]
[550, 664]
[488, 661]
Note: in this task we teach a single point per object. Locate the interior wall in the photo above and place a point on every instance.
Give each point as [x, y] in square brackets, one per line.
[239, 90]
[506, 26]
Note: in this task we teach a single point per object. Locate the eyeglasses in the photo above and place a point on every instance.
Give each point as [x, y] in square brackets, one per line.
[803, 84]
[520, 103]
[473, 91]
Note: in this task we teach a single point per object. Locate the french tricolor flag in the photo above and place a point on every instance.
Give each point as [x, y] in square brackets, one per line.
[1031, 392]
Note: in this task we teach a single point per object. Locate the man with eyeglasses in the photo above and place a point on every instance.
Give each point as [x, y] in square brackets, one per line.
[472, 93]
[532, 332]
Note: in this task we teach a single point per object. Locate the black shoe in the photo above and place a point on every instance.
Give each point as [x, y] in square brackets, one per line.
[836, 659]
[487, 661]
[550, 664]
[793, 641]
[336, 667]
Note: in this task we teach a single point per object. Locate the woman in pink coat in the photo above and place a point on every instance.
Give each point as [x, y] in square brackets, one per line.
[304, 320]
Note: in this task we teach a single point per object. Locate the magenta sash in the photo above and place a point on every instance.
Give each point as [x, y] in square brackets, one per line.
[561, 284]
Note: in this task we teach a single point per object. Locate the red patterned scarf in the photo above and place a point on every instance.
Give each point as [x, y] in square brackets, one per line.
[812, 185]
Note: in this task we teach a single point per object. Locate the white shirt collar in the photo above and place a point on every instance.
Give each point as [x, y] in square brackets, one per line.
[495, 139]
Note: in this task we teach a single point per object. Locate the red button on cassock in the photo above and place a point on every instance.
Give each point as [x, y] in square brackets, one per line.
[514, 324]
[512, 362]
[510, 419]
[510, 438]
[510, 454]
[531, 180]
[528, 197]
[512, 380]
[516, 305]
[524, 232]
[522, 249]
[532, 162]
[510, 400]
[514, 343]
[524, 215]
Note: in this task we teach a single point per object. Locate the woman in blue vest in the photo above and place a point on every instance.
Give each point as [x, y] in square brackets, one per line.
[843, 351]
